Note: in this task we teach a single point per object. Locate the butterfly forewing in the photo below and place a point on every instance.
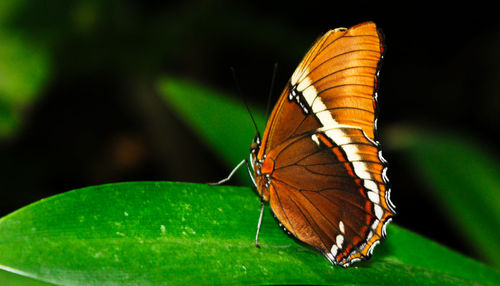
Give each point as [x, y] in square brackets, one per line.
[319, 162]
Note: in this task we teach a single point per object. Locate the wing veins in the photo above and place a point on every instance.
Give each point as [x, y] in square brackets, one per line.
[320, 50]
[341, 85]
[337, 71]
[313, 228]
[345, 107]
[332, 189]
[332, 224]
[283, 210]
[373, 218]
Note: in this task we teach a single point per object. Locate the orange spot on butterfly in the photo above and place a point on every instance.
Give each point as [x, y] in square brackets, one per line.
[267, 166]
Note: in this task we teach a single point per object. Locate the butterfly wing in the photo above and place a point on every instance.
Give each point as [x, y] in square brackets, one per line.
[340, 69]
[328, 184]
[317, 195]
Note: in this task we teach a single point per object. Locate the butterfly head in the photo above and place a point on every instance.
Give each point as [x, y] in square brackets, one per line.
[262, 168]
[254, 150]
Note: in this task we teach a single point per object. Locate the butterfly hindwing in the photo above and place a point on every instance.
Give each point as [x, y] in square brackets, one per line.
[314, 189]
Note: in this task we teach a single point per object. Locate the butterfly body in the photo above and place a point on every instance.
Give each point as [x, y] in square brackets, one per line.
[318, 162]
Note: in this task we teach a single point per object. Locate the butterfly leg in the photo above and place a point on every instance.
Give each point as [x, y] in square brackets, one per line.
[231, 174]
[259, 223]
[250, 174]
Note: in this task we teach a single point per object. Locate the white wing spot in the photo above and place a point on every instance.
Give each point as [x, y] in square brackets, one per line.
[341, 227]
[371, 233]
[338, 137]
[371, 185]
[305, 84]
[340, 240]
[370, 251]
[361, 170]
[315, 139]
[385, 226]
[352, 152]
[374, 197]
[378, 211]
[381, 158]
[334, 250]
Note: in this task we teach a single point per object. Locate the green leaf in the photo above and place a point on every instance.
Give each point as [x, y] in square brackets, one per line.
[220, 120]
[12, 279]
[151, 233]
[464, 177]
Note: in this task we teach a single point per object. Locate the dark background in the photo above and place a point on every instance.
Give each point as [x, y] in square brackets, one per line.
[98, 117]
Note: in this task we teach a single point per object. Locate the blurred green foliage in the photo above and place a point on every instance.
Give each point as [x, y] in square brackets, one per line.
[42, 42]
[220, 121]
[463, 176]
[25, 67]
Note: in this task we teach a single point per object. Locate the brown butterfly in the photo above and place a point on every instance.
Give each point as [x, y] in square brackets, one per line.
[318, 162]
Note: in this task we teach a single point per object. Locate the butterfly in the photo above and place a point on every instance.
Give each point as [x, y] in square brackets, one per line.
[318, 163]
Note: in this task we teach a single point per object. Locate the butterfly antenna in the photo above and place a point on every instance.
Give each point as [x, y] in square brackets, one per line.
[244, 101]
[268, 106]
